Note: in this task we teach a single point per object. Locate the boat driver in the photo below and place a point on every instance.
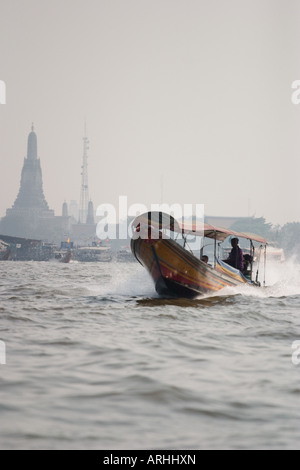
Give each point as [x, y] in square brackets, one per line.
[235, 258]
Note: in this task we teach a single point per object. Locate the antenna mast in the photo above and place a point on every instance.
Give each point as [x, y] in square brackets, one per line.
[84, 193]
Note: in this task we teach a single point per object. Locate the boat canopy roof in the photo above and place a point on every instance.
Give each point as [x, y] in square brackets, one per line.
[161, 220]
[219, 233]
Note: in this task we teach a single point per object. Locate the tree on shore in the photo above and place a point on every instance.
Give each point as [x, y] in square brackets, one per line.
[286, 237]
[255, 225]
[289, 239]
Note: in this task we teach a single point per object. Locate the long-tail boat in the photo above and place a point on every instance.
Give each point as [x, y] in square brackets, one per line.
[176, 272]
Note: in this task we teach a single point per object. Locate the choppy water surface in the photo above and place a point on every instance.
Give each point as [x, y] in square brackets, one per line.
[94, 360]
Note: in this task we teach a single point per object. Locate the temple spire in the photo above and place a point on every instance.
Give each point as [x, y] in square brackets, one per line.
[32, 145]
[31, 197]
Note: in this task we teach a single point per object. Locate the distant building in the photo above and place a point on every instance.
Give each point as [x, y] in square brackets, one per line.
[30, 216]
[65, 210]
[85, 233]
[90, 216]
[74, 210]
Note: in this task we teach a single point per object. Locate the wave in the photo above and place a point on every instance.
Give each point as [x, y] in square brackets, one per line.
[128, 280]
[282, 280]
[132, 282]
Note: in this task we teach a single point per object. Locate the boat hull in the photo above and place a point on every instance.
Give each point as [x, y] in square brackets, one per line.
[178, 273]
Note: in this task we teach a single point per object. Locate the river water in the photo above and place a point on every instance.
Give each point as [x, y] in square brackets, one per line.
[94, 360]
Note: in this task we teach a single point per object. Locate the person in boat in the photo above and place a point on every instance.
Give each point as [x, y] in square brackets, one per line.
[235, 259]
[204, 258]
[248, 259]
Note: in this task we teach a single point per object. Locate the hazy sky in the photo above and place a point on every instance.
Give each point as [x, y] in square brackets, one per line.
[198, 91]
